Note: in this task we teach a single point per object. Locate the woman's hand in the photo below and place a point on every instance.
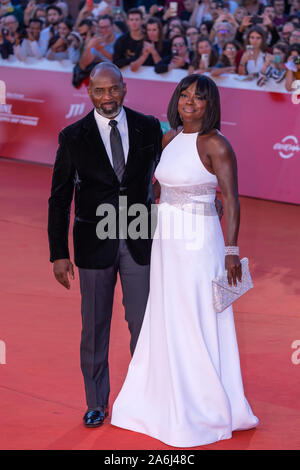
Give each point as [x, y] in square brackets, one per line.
[248, 55]
[268, 59]
[149, 47]
[231, 69]
[267, 22]
[245, 23]
[97, 43]
[231, 19]
[61, 42]
[178, 62]
[153, 9]
[169, 13]
[234, 269]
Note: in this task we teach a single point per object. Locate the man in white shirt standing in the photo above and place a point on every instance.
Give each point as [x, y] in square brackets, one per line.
[106, 157]
[54, 15]
[104, 130]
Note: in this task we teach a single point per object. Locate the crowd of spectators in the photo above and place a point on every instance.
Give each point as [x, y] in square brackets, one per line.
[256, 39]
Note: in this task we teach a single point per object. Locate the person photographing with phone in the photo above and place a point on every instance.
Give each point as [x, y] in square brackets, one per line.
[180, 59]
[6, 47]
[7, 8]
[274, 65]
[264, 21]
[60, 48]
[253, 59]
[205, 57]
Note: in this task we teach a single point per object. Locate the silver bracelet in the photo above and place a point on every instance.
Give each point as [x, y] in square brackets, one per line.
[232, 250]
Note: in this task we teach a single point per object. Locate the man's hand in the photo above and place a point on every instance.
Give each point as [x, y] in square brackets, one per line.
[219, 208]
[30, 7]
[61, 269]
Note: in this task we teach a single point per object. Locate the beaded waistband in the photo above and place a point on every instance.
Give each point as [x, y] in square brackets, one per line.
[184, 198]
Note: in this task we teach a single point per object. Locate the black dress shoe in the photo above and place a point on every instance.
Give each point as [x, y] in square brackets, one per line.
[95, 418]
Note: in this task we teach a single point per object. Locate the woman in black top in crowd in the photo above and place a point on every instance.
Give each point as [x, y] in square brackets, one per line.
[180, 57]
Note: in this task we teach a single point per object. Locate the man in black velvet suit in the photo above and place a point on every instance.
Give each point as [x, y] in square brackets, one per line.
[111, 152]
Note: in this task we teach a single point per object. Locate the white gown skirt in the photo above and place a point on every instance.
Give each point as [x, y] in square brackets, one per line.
[184, 384]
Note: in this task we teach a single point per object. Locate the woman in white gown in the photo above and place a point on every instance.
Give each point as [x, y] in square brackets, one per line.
[184, 384]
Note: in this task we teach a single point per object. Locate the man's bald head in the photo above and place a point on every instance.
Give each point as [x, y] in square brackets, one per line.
[107, 89]
[106, 68]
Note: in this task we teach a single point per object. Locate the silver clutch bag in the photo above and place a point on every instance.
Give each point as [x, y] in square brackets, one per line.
[224, 294]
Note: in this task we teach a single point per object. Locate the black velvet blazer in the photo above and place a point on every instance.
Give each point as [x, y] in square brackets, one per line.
[82, 164]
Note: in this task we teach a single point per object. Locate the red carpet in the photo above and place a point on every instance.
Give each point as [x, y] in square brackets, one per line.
[42, 394]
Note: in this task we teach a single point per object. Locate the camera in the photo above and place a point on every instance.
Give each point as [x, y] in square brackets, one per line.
[296, 60]
[256, 19]
[5, 32]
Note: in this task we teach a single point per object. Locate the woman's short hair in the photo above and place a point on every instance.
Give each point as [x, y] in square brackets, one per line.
[293, 48]
[207, 90]
[283, 47]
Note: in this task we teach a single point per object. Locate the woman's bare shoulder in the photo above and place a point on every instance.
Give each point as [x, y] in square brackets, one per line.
[169, 135]
[216, 140]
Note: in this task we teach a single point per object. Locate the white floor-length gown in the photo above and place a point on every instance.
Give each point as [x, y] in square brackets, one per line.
[184, 384]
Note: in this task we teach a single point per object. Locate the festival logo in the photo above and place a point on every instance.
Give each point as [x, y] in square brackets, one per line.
[288, 147]
[7, 115]
[75, 110]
